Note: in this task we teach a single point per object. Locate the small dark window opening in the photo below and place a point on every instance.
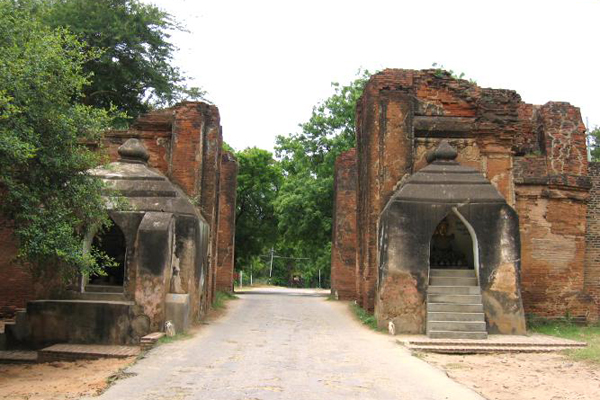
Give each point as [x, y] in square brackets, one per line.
[112, 243]
[451, 245]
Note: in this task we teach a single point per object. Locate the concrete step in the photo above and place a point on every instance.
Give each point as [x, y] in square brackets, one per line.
[452, 281]
[453, 290]
[454, 298]
[486, 349]
[453, 307]
[462, 326]
[103, 289]
[100, 296]
[457, 335]
[455, 316]
[18, 356]
[69, 352]
[452, 273]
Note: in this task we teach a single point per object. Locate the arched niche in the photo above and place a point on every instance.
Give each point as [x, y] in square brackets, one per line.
[453, 244]
[111, 242]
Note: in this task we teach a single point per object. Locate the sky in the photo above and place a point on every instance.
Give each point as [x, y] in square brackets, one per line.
[265, 64]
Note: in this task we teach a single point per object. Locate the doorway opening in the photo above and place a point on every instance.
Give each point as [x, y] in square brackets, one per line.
[112, 243]
[452, 246]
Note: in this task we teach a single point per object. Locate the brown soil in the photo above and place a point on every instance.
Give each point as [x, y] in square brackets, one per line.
[70, 380]
[58, 380]
[540, 376]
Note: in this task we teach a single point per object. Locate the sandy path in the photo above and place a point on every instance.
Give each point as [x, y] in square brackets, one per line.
[522, 376]
[57, 380]
[286, 344]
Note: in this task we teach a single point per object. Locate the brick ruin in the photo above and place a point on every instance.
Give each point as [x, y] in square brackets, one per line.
[343, 249]
[226, 234]
[185, 144]
[535, 156]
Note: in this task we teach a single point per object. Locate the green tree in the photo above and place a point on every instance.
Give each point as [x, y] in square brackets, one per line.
[46, 195]
[594, 143]
[258, 182]
[304, 205]
[134, 71]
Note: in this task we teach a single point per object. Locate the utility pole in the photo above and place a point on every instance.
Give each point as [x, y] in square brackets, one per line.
[271, 265]
[241, 279]
[319, 278]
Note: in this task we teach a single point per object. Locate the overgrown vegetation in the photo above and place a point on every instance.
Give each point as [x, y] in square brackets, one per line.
[70, 69]
[568, 330]
[46, 194]
[221, 298]
[365, 317]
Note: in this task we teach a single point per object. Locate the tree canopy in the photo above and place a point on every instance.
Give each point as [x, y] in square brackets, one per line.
[134, 70]
[45, 193]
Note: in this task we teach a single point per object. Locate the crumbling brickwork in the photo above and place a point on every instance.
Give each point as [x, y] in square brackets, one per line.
[343, 252]
[534, 155]
[226, 235]
[591, 277]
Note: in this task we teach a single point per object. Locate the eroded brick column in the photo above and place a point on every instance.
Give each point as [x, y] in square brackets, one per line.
[343, 251]
[384, 151]
[592, 256]
[194, 165]
[226, 234]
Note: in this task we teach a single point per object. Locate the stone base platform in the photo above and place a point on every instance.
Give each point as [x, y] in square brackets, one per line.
[18, 356]
[68, 352]
[494, 344]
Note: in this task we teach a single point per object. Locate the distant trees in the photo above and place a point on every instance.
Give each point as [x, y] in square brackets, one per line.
[259, 180]
[300, 201]
[594, 134]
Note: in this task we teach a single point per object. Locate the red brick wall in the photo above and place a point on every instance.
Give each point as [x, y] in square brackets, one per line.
[343, 252]
[209, 196]
[591, 276]
[16, 287]
[226, 235]
[534, 155]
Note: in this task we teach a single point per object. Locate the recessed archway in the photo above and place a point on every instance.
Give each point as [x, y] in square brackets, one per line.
[112, 243]
[452, 245]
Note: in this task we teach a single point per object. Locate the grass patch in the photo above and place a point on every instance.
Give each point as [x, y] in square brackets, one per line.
[221, 298]
[568, 330]
[365, 317]
[180, 336]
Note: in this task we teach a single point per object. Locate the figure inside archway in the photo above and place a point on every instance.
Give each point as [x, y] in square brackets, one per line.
[451, 245]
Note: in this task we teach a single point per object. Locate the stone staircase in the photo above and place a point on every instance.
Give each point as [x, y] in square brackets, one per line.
[454, 306]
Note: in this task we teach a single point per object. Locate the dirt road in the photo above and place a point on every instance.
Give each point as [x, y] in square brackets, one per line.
[286, 344]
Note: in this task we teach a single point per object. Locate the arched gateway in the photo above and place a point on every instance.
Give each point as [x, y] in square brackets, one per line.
[449, 260]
